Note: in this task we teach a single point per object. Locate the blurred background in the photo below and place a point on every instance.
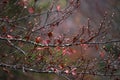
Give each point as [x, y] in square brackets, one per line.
[93, 10]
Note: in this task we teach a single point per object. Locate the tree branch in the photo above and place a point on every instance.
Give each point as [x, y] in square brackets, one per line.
[61, 45]
[16, 67]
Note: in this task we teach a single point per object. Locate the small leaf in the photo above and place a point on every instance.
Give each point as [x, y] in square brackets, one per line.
[58, 7]
[4, 29]
[74, 71]
[68, 51]
[96, 47]
[66, 71]
[27, 37]
[74, 39]
[46, 42]
[61, 66]
[9, 36]
[38, 39]
[58, 41]
[39, 48]
[102, 54]
[50, 34]
[31, 10]
[82, 40]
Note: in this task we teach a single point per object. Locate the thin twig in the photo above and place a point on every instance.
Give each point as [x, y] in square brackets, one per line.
[16, 47]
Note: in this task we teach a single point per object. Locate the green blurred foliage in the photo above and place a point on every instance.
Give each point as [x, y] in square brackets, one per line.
[112, 49]
[11, 10]
[42, 5]
[62, 3]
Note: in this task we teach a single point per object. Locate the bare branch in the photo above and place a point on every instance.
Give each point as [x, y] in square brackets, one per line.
[61, 45]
